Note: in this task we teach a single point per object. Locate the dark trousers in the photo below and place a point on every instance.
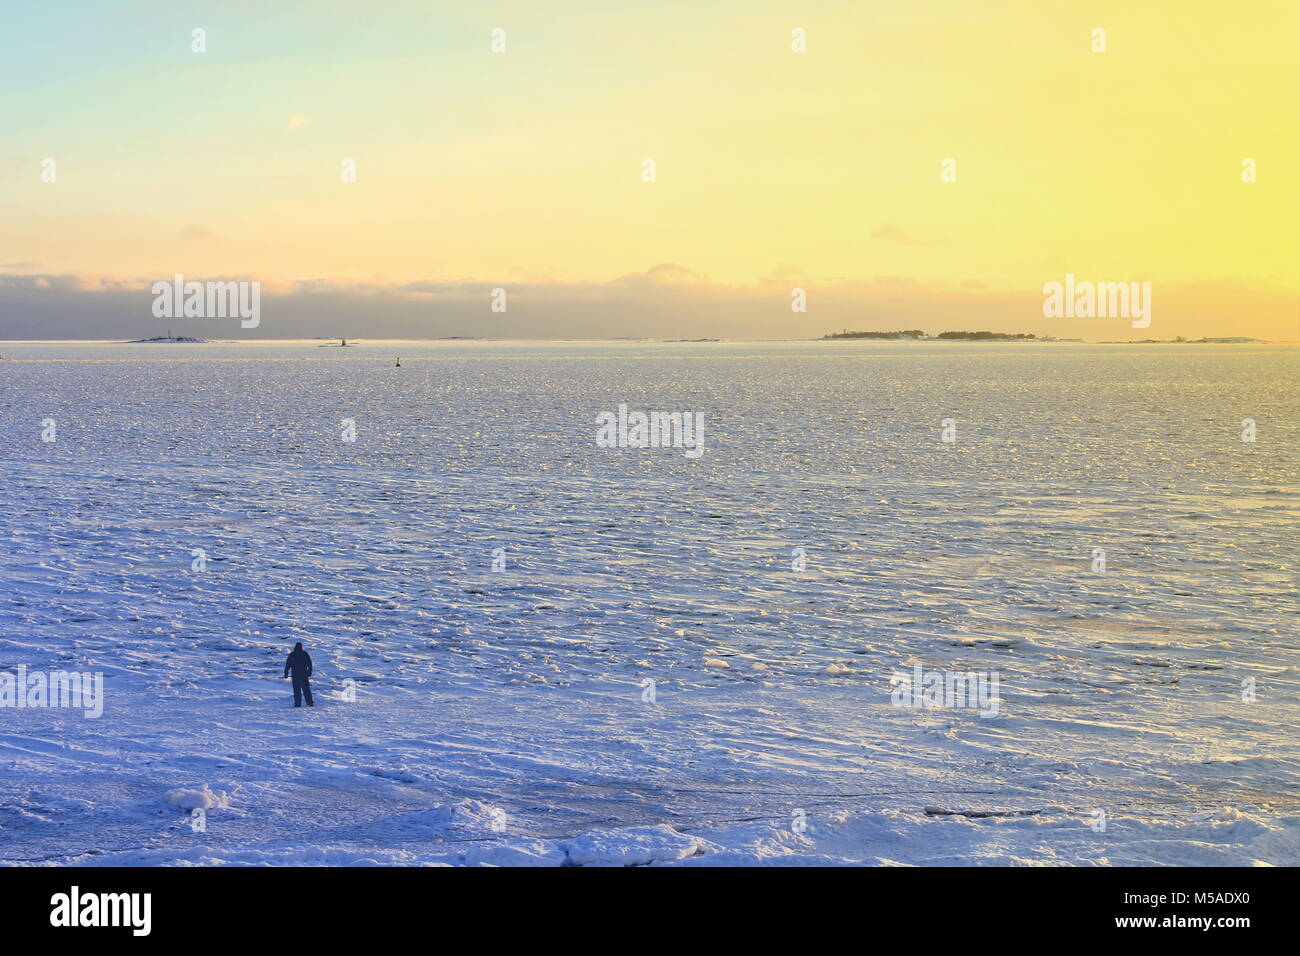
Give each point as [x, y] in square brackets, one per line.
[300, 689]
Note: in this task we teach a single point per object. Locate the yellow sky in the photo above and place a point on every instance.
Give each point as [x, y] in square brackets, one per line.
[821, 167]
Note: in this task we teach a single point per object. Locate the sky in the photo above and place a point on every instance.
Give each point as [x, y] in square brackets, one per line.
[773, 169]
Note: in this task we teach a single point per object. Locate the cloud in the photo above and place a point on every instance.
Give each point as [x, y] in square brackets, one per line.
[665, 273]
[784, 270]
[79, 282]
[668, 300]
[897, 234]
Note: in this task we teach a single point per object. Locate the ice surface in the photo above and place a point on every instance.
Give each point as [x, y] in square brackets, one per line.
[465, 716]
[203, 798]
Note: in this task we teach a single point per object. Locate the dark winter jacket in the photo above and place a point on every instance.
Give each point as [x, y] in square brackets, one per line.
[299, 662]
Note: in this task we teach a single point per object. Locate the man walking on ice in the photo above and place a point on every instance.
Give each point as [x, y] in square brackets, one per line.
[300, 663]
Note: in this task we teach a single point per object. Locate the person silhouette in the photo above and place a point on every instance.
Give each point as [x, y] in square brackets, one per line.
[299, 661]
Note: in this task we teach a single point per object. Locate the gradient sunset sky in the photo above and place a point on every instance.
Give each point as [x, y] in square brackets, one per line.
[775, 169]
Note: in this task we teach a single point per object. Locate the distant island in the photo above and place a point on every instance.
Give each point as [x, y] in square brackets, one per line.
[1207, 340]
[945, 336]
[918, 335]
[168, 338]
[907, 334]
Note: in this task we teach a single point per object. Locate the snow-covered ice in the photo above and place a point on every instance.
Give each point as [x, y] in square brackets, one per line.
[649, 681]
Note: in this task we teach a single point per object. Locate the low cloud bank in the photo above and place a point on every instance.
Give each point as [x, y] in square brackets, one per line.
[667, 301]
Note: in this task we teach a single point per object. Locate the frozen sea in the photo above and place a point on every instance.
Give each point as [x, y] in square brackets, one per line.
[504, 717]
